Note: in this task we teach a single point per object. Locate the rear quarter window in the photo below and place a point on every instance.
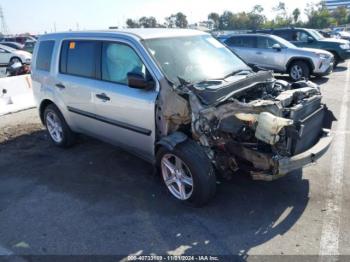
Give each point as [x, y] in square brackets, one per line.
[44, 57]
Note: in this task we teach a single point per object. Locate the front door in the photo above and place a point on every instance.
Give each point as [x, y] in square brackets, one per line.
[302, 38]
[269, 57]
[126, 114]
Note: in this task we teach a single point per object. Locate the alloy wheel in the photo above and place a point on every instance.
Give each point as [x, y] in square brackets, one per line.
[296, 72]
[54, 127]
[177, 176]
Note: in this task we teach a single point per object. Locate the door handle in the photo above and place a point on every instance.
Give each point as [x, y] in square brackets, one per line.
[60, 86]
[259, 53]
[103, 97]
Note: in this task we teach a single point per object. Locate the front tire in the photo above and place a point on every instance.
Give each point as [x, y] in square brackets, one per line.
[57, 128]
[15, 60]
[299, 70]
[187, 173]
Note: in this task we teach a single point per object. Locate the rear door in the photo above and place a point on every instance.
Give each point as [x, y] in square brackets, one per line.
[126, 115]
[243, 46]
[77, 80]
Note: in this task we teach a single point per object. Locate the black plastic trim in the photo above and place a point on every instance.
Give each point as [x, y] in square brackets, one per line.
[136, 129]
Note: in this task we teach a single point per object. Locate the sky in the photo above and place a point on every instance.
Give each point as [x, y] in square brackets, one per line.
[39, 16]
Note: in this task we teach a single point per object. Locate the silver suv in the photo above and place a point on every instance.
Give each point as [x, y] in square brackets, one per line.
[182, 101]
[275, 53]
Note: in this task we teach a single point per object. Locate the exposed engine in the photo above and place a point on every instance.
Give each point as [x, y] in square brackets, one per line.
[267, 121]
[255, 121]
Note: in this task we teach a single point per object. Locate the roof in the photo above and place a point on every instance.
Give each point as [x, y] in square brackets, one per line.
[141, 33]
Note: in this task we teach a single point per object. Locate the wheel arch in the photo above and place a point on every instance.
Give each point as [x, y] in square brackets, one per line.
[42, 108]
[15, 56]
[171, 141]
[303, 59]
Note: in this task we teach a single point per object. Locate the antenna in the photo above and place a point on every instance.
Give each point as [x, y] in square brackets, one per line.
[4, 29]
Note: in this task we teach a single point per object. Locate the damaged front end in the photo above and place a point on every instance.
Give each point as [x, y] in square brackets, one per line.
[266, 126]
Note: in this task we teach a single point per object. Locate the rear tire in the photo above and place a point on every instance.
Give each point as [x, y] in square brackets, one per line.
[187, 167]
[57, 128]
[299, 70]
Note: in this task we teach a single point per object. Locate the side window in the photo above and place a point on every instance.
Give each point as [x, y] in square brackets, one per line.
[80, 58]
[300, 36]
[265, 42]
[243, 41]
[118, 60]
[43, 60]
[286, 34]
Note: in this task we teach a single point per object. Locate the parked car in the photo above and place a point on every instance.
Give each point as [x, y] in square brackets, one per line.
[310, 38]
[19, 39]
[340, 33]
[179, 99]
[275, 53]
[29, 46]
[13, 45]
[325, 33]
[10, 55]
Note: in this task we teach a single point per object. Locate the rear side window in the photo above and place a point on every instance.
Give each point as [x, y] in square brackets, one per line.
[286, 34]
[80, 58]
[265, 42]
[242, 41]
[44, 57]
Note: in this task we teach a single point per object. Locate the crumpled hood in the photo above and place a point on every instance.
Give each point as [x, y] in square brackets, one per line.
[225, 89]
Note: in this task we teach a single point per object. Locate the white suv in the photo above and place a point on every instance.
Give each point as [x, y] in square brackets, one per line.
[182, 101]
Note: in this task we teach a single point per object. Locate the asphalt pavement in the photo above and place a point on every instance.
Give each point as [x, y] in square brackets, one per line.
[97, 199]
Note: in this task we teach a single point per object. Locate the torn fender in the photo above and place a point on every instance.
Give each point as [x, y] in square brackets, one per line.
[172, 140]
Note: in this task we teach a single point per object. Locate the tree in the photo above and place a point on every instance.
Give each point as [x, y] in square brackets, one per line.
[296, 15]
[132, 23]
[280, 9]
[148, 22]
[215, 17]
[256, 17]
[318, 16]
[341, 15]
[177, 20]
[282, 18]
[225, 21]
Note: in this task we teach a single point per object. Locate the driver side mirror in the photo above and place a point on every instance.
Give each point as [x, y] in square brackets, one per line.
[277, 47]
[310, 39]
[136, 80]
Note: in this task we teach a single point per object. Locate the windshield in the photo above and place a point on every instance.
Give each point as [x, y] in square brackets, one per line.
[315, 34]
[194, 58]
[7, 48]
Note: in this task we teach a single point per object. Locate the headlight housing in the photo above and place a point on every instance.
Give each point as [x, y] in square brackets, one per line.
[28, 60]
[345, 46]
[323, 56]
